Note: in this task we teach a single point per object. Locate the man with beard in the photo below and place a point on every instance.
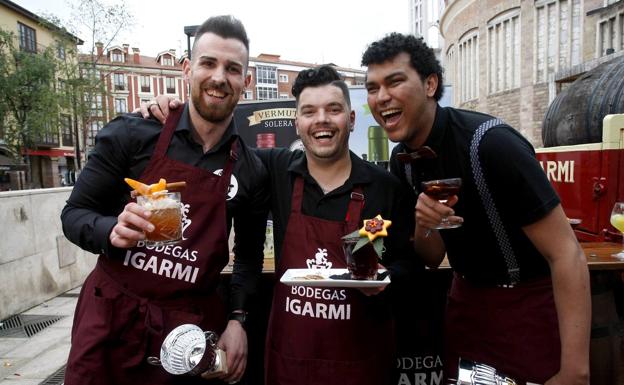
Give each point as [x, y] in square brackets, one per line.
[317, 196]
[127, 304]
[520, 299]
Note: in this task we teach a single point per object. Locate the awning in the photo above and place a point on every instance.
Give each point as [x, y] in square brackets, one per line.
[9, 164]
[53, 152]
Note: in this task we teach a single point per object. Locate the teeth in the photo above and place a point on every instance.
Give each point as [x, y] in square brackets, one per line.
[322, 133]
[388, 112]
[216, 93]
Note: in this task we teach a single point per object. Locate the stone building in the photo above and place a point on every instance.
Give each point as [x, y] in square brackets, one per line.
[510, 58]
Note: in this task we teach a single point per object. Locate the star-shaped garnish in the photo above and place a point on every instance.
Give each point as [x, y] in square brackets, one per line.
[375, 227]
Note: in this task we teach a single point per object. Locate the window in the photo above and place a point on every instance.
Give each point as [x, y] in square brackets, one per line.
[66, 130]
[27, 38]
[283, 95]
[266, 75]
[95, 127]
[504, 52]
[170, 86]
[118, 82]
[167, 60]
[60, 50]
[417, 17]
[117, 56]
[96, 105]
[265, 93]
[450, 62]
[248, 95]
[283, 78]
[121, 105]
[468, 67]
[61, 86]
[610, 35]
[558, 29]
[145, 83]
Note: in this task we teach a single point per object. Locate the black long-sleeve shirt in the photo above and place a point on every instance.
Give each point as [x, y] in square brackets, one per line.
[383, 194]
[123, 149]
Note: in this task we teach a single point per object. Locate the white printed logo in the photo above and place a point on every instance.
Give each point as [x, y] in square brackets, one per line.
[186, 221]
[233, 188]
[319, 261]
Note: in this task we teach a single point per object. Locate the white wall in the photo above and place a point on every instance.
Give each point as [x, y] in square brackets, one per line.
[37, 262]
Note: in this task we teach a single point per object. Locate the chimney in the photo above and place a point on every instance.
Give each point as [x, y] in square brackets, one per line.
[136, 56]
[172, 51]
[100, 49]
[125, 48]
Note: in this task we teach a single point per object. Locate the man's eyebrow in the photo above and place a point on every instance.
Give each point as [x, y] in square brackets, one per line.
[213, 58]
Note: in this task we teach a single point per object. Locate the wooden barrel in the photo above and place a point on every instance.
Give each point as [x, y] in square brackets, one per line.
[576, 114]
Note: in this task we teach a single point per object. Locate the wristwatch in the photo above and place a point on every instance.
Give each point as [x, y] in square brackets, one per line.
[240, 316]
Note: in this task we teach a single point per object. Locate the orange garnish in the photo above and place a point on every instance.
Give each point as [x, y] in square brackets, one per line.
[143, 189]
[140, 188]
[375, 227]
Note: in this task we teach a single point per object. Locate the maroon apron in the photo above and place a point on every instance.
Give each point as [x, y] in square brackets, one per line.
[128, 305]
[324, 335]
[515, 330]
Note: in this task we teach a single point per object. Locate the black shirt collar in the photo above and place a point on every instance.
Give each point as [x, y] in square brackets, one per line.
[359, 174]
[185, 125]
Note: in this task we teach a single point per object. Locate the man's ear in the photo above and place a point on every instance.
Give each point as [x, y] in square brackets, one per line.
[186, 68]
[431, 84]
[352, 120]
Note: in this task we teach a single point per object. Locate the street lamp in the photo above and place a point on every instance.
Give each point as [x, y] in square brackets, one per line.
[189, 31]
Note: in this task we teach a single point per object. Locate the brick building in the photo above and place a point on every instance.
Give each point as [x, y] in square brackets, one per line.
[510, 58]
[131, 78]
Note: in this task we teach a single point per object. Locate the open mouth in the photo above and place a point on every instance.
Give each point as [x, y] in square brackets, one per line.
[391, 115]
[323, 135]
[215, 93]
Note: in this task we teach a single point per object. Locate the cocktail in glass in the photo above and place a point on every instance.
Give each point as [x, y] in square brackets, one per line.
[363, 263]
[617, 221]
[166, 216]
[442, 190]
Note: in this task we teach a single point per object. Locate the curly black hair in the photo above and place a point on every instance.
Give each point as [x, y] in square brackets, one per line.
[320, 76]
[422, 57]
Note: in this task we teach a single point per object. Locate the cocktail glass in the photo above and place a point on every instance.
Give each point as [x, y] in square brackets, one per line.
[617, 221]
[362, 264]
[166, 217]
[442, 190]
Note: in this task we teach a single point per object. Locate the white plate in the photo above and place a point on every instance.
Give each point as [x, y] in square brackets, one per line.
[297, 277]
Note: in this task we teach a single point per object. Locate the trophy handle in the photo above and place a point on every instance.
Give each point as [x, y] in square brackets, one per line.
[211, 338]
[153, 361]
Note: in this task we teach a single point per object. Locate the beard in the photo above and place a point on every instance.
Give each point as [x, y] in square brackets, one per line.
[210, 112]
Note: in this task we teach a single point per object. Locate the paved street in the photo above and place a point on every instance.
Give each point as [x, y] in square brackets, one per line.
[31, 360]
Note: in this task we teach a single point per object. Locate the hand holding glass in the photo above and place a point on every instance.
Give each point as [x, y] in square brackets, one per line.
[442, 190]
[617, 221]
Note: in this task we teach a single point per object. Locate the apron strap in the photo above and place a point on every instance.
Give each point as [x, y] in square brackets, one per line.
[513, 271]
[167, 132]
[297, 197]
[229, 166]
[354, 212]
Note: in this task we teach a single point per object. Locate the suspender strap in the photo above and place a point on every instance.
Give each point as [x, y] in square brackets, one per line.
[502, 238]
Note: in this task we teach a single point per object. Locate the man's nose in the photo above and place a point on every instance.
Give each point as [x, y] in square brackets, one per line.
[382, 95]
[218, 75]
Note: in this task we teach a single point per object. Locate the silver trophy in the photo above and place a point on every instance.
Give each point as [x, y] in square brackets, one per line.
[472, 373]
[188, 350]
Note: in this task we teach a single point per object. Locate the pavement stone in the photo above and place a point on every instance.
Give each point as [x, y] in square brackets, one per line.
[29, 361]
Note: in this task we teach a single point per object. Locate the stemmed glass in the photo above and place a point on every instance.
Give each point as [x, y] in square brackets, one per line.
[442, 190]
[617, 221]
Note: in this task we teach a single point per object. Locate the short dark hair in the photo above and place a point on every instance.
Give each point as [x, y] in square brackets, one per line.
[226, 26]
[422, 57]
[320, 76]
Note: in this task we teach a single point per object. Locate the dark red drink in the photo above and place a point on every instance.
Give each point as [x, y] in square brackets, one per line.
[442, 189]
[363, 263]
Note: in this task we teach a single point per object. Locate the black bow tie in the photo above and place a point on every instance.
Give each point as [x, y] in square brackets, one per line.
[425, 152]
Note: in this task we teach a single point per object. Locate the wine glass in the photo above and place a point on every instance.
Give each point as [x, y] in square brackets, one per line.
[442, 190]
[617, 221]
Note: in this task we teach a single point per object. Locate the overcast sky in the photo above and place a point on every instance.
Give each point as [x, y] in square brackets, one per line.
[312, 31]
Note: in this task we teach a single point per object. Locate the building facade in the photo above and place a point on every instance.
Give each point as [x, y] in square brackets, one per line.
[510, 58]
[424, 21]
[131, 78]
[53, 156]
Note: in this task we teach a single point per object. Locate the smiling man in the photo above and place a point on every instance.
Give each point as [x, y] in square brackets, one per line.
[128, 306]
[519, 300]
